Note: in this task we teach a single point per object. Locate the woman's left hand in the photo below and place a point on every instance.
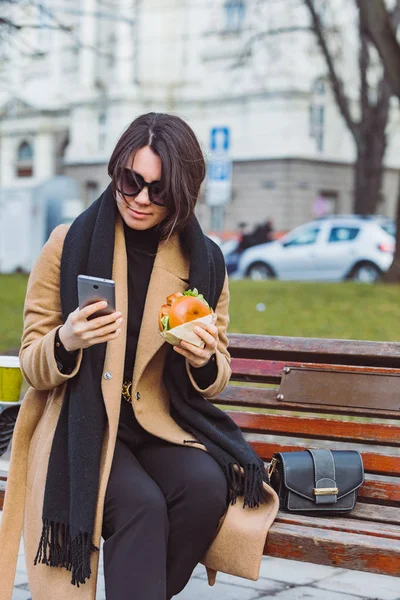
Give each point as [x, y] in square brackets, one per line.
[198, 357]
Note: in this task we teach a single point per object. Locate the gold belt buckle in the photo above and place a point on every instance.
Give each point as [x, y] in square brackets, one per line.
[126, 391]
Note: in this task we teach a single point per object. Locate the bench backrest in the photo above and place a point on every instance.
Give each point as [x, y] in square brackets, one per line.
[302, 393]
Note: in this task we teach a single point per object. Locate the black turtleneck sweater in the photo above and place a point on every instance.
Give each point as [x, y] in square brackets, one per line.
[141, 248]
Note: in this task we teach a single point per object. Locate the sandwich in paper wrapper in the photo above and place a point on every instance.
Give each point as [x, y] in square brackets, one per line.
[180, 315]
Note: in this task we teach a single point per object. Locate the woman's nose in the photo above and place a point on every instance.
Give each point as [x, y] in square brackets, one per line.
[143, 196]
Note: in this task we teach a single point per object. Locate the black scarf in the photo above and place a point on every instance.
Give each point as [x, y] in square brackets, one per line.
[74, 465]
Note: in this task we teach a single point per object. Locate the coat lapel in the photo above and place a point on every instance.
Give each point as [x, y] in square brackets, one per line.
[170, 274]
[115, 352]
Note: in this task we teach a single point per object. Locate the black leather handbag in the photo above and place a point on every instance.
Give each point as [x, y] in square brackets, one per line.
[317, 482]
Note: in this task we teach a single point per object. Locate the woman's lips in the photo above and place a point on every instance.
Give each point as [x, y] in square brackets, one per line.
[138, 215]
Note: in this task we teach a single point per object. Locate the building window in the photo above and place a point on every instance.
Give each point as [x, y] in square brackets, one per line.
[319, 87]
[317, 125]
[235, 12]
[25, 160]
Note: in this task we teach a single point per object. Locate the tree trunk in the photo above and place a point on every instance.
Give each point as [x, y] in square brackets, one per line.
[392, 275]
[376, 21]
[368, 170]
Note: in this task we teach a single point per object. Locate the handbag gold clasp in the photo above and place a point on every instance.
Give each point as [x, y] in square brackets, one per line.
[272, 466]
[325, 491]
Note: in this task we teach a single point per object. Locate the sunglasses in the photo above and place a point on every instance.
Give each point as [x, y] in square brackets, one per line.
[132, 184]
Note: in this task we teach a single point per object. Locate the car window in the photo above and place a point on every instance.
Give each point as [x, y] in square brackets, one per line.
[390, 228]
[343, 234]
[303, 238]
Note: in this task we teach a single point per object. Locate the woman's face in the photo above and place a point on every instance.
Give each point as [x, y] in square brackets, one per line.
[137, 211]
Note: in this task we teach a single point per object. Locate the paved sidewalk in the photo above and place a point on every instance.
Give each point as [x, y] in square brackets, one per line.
[279, 579]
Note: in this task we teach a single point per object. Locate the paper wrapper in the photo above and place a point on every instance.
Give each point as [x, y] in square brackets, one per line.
[185, 331]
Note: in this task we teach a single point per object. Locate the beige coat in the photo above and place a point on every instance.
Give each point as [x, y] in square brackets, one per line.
[238, 545]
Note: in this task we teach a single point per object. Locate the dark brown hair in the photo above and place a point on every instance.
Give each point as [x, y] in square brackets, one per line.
[183, 165]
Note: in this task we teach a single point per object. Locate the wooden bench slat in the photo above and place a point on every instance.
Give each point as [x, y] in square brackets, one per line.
[378, 464]
[376, 513]
[316, 350]
[234, 395]
[317, 427]
[244, 369]
[334, 548]
[384, 492]
[338, 523]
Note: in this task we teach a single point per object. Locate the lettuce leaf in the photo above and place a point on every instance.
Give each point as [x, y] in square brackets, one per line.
[194, 292]
[165, 323]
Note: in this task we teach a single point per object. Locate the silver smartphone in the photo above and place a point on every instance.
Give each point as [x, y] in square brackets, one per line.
[93, 289]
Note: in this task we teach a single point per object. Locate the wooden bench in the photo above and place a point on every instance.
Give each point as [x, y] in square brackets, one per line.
[322, 391]
[325, 393]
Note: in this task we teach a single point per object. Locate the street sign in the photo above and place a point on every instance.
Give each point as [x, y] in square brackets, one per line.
[219, 168]
[220, 139]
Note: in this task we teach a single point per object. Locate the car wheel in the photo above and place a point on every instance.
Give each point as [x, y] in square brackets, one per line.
[259, 272]
[365, 273]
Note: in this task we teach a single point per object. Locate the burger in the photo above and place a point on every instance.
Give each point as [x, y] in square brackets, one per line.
[182, 308]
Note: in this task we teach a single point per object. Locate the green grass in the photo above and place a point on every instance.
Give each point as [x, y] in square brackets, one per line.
[342, 310]
[328, 310]
[12, 295]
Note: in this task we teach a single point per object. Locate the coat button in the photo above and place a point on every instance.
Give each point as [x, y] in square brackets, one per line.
[137, 396]
[107, 375]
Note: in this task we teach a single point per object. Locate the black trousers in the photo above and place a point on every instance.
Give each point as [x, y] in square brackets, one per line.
[162, 508]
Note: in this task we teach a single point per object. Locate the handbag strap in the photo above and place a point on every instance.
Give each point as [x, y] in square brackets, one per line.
[325, 487]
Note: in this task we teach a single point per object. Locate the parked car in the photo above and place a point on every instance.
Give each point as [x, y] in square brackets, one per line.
[331, 248]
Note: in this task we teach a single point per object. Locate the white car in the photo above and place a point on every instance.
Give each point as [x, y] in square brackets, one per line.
[331, 248]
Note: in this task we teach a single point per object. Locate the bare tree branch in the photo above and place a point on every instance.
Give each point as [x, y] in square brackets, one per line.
[337, 84]
[247, 48]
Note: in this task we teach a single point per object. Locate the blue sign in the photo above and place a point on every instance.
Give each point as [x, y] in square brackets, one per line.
[220, 139]
[220, 170]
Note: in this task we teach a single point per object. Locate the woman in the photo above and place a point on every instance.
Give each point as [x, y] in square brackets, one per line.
[115, 437]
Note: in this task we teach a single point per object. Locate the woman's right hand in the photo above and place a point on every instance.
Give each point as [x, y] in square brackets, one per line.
[77, 332]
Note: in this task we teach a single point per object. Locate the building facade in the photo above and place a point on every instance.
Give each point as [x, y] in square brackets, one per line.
[71, 85]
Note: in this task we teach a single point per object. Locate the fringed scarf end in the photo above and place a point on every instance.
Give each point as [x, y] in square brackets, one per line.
[253, 492]
[249, 484]
[57, 549]
[232, 474]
